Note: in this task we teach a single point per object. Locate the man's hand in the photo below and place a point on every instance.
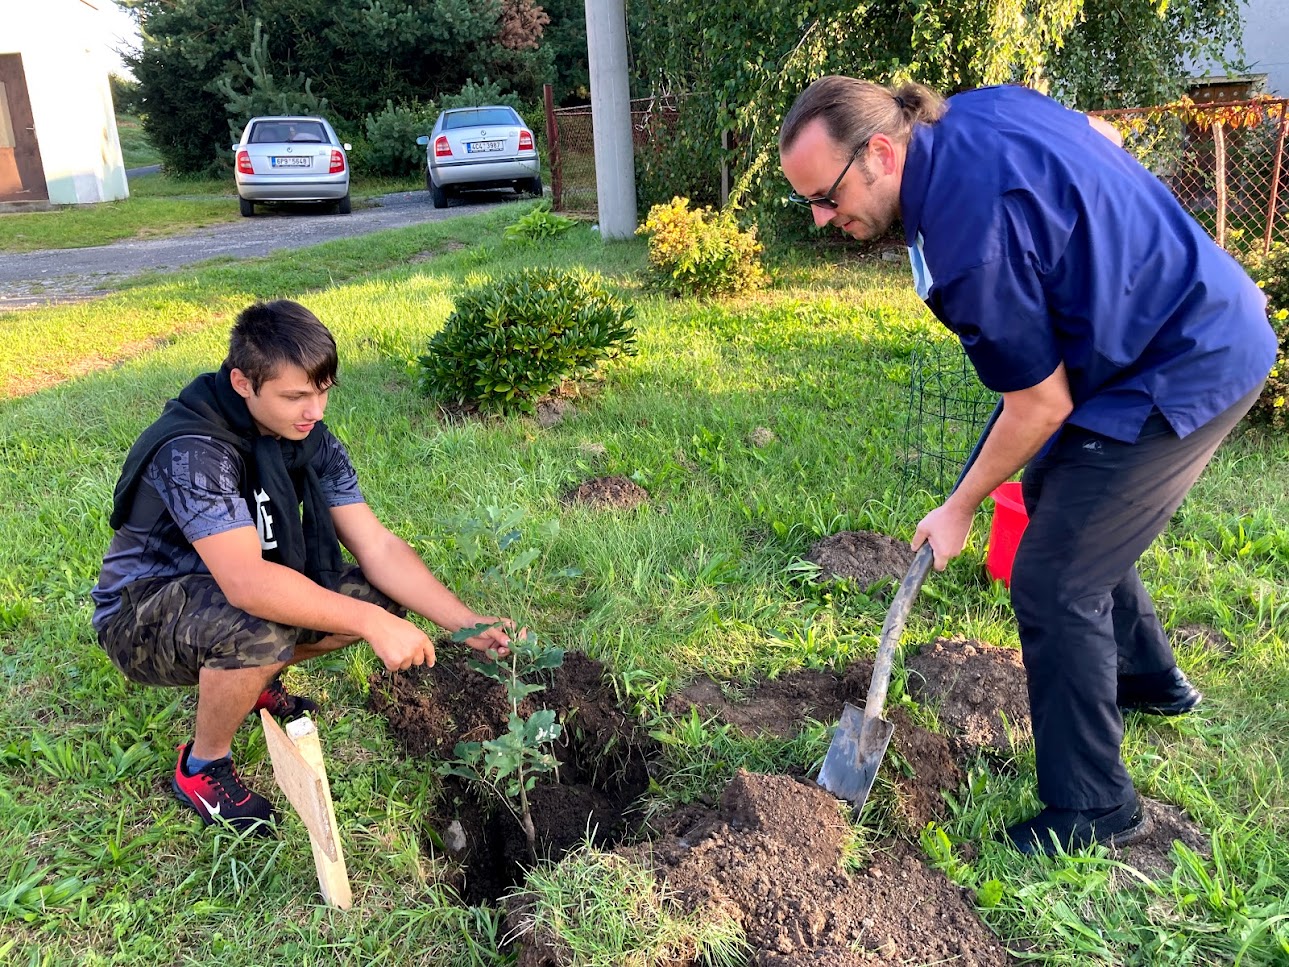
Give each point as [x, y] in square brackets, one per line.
[493, 639]
[399, 643]
[946, 528]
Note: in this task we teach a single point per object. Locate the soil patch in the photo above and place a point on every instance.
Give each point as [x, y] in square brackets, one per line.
[978, 691]
[861, 556]
[552, 411]
[781, 707]
[1152, 854]
[602, 756]
[604, 493]
[770, 857]
[1203, 638]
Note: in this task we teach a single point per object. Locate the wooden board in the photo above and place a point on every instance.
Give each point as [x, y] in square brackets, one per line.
[301, 774]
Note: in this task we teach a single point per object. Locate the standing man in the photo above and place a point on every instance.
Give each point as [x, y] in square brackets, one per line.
[215, 578]
[1125, 344]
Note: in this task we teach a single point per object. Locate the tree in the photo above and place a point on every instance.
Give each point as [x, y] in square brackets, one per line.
[744, 63]
[1134, 53]
[198, 57]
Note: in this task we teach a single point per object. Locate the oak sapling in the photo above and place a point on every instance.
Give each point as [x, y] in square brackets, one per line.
[510, 765]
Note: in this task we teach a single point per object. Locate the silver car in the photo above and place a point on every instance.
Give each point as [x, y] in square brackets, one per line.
[291, 159]
[480, 147]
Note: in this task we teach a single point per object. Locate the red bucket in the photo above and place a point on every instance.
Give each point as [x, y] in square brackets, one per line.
[1005, 531]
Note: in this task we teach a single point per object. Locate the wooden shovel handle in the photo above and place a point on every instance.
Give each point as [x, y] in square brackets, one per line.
[893, 628]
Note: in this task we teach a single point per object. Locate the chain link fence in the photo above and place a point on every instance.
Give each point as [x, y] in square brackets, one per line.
[1223, 162]
[571, 140]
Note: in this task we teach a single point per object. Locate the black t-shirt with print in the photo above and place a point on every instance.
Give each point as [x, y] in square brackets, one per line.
[189, 491]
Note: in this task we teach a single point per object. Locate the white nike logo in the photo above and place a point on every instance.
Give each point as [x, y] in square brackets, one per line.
[213, 811]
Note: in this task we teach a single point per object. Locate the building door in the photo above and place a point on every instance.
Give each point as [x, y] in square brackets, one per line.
[22, 175]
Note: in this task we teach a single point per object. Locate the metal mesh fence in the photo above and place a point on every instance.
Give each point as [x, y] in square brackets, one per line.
[1223, 162]
[948, 409]
[571, 133]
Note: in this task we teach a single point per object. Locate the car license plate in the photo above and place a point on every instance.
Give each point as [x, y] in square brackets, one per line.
[476, 147]
[294, 161]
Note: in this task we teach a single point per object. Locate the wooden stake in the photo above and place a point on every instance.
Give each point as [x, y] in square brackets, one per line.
[301, 774]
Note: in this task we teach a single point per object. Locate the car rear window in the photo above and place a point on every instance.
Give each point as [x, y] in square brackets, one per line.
[474, 118]
[282, 132]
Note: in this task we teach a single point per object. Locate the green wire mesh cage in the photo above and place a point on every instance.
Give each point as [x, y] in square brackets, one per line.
[948, 410]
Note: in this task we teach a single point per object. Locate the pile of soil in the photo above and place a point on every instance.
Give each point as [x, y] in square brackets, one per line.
[618, 493]
[976, 689]
[770, 858]
[861, 556]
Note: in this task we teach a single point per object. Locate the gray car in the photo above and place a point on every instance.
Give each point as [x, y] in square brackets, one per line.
[291, 159]
[480, 147]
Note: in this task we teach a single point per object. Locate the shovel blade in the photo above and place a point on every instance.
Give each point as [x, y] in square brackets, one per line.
[854, 756]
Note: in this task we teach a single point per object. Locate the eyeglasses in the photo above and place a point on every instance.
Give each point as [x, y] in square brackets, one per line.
[826, 200]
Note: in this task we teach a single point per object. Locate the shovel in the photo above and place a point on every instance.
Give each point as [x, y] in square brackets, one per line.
[860, 739]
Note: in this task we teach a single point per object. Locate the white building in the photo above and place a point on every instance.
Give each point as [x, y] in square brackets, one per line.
[1266, 45]
[58, 138]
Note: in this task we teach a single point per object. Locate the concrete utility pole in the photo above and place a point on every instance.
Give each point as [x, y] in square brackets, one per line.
[615, 172]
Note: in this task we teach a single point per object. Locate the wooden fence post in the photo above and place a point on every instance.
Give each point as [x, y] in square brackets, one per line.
[1219, 157]
[1275, 178]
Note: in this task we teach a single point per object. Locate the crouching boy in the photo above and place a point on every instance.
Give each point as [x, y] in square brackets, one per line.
[225, 565]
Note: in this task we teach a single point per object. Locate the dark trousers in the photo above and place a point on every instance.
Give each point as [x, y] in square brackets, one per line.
[1095, 504]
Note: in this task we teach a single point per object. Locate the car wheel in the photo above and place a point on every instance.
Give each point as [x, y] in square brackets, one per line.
[345, 205]
[247, 207]
[438, 195]
[429, 182]
[535, 185]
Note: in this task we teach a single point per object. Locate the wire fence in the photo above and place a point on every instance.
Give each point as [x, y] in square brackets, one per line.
[570, 132]
[1223, 162]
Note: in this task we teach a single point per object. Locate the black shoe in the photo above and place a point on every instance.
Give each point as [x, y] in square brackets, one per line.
[1158, 693]
[1076, 828]
[281, 704]
[217, 794]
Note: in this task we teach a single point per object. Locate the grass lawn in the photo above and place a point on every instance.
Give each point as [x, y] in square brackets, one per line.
[100, 865]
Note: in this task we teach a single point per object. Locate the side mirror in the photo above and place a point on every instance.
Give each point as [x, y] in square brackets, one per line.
[347, 146]
[423, 140]
[236, 145]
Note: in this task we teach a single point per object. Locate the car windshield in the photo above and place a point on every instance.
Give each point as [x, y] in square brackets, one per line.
[476, 117]
[279, 132]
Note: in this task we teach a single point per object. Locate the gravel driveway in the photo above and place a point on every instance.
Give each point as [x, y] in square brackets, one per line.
[68, 275]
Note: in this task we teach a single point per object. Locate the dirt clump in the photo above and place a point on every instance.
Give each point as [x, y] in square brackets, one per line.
[552, 411]
[861, 556]
[607, 493]
[771, 858]
[977, 690]
[1202, 638]
[1152, 854]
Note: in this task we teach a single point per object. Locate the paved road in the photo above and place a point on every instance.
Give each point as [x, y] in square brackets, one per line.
[67, 275]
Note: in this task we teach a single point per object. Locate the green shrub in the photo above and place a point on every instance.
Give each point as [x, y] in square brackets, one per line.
[388, 146]
[1271, 272]
[509, 343]
[538, 224]
[697, 251]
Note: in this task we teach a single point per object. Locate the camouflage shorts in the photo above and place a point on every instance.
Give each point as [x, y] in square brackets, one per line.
[169, 629]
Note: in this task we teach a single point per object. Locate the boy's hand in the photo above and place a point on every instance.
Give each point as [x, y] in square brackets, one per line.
[493, 639]
[399, 643]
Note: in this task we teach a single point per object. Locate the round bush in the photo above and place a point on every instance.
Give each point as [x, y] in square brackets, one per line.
[509, 343]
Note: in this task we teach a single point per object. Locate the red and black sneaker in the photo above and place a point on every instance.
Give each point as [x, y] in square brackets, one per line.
[217, 793]
[281, 704]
